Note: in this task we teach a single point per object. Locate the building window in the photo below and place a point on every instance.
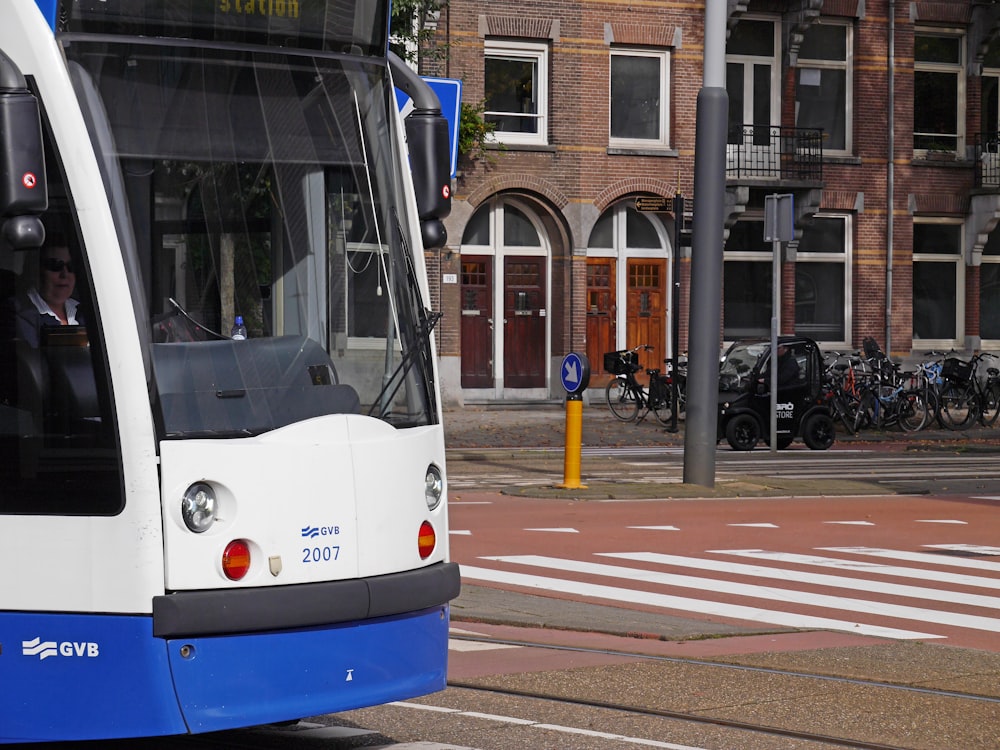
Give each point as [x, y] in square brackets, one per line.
[822, 280]
[938, 92]
[640, 96]
[823, 89]
[747, 282]
[938, 283]
[516, 88]
[989, 289]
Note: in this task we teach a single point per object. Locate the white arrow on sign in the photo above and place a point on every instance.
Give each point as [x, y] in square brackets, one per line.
[572, 372]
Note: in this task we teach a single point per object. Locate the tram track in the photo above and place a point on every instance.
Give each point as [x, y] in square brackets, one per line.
[770, 717]
[730, 666]
[759, 729]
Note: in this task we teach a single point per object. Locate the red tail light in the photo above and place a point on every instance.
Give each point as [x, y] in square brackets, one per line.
[236, 559]
[426, 539]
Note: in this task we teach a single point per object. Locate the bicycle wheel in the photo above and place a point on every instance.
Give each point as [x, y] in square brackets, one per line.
[912, 410]
[867, 412]
[661, 410]
[622, 400]
[959, 406]
[991, 404]
[846, 407]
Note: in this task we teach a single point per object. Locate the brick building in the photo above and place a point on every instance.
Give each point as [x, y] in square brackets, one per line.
[595, 105]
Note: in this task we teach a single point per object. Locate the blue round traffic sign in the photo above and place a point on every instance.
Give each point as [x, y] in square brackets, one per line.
[575, 372]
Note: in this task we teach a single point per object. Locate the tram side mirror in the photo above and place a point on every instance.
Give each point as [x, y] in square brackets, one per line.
[427, 138]
[23, 191]
[430, 165]
[428, 143]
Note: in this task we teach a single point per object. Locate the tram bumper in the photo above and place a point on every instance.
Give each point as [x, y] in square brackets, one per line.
[378, 640]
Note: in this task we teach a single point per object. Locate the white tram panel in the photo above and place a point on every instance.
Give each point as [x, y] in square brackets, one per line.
[331, 498]
[97, 564]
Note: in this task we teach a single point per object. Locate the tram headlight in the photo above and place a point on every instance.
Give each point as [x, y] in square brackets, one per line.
[433, 487]
[198, 507]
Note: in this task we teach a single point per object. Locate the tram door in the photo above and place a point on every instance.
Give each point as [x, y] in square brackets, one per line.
[477, 321]
[600, 310]
[645, 318]
[524, 322]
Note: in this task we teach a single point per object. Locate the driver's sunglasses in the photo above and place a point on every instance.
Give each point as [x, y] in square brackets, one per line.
[56, 265]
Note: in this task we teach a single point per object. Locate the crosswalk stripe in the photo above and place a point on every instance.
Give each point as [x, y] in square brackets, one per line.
[972, 549]
[685, 604]
[918, 557]
[818, 579]
[863, 566]
[881, 609]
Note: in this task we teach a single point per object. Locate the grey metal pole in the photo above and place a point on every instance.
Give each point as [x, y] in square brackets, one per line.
[704, 339]
[675, 306]
[775, 332]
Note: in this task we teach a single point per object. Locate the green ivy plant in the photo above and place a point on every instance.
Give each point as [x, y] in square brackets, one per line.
[474, 133]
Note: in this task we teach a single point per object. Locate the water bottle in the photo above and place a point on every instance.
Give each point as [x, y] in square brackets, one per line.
[239, 332]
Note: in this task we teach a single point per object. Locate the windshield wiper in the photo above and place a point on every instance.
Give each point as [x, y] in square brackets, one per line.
[427, 320]
[184, 314]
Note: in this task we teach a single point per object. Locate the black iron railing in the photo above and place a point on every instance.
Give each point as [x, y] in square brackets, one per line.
[772, 152]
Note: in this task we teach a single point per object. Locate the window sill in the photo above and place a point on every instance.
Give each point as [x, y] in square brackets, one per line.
[537, 147]
[845, 159]
[649, 151]
[941, 160]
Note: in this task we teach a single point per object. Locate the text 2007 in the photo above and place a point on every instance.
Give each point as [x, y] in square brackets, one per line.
[320, 554]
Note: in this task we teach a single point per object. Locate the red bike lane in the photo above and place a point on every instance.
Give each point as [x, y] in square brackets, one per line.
[888, 567]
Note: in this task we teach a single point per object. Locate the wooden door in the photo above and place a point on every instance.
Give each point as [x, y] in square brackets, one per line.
[524, 322]
[477, 321]
[645, 310]
[600, 311]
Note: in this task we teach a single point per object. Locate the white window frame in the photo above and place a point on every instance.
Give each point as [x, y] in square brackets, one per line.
[987, 259]
[958, 261]
[805, 63]
[537, 53]
[844, 258]
[663, 56]
[958, 70]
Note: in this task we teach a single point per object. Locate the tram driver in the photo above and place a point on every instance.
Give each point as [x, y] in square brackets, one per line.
[48, 301]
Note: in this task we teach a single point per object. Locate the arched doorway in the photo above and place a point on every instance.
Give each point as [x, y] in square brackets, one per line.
[627, 260]
[505, 297]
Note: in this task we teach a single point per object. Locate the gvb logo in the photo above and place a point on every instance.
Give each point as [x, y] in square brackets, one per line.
[45, 649]
[311, 532]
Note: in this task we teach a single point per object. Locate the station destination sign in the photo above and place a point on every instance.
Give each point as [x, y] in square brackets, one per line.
[653, 204]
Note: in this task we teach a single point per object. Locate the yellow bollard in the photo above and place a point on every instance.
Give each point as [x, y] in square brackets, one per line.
[574, 441]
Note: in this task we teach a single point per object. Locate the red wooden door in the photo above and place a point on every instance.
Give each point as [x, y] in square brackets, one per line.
[524, 322]
[645, 312]
[600, 311]
[477, 321]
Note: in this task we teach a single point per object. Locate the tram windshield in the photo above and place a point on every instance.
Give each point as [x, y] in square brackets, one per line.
[263, 185]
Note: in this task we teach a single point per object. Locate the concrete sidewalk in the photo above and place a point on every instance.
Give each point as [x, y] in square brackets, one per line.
[543, 425]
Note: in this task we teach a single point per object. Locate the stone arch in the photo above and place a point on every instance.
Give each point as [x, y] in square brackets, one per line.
[514, 183]
[633, 185]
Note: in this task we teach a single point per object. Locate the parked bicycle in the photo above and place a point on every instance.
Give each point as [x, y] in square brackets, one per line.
[886, 399]
[927, 379]
[626, 396]
[678, 380]
[841, 389]
[965, 397]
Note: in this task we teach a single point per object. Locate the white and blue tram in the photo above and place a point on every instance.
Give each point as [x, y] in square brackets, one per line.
[197, 532]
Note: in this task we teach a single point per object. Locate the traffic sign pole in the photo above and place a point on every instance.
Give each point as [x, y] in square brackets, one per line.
[575, 377]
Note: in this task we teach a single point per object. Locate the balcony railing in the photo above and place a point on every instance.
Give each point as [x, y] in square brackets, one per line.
[988, 159]
[772, 152]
